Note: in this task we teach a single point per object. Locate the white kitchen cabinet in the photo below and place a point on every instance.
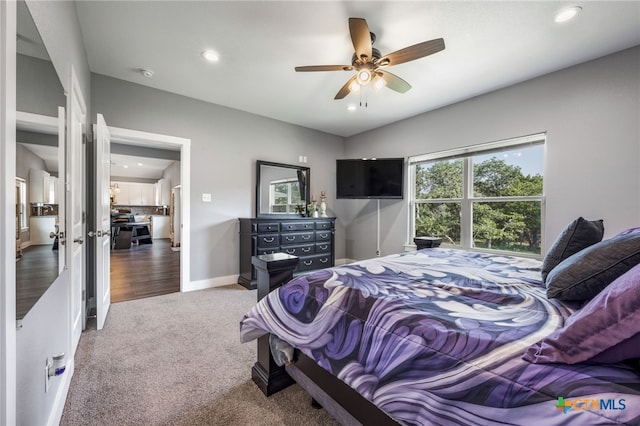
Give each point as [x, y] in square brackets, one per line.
[53, 190]
[163, 192]
[160, 226]
[135, 194]
[39, 186]
[39, 229]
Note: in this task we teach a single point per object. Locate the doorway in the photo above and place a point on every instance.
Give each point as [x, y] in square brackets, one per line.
[143, 263]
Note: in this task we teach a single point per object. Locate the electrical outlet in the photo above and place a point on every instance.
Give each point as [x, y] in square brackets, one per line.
[206, 198]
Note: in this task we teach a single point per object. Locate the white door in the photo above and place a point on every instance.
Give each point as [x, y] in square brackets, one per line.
[60, 190]
[76, 119]
[103, 220]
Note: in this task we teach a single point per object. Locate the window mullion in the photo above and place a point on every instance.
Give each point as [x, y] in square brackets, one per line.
[466, 211]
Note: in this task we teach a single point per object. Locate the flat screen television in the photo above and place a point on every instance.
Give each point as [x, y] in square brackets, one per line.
[370, 178]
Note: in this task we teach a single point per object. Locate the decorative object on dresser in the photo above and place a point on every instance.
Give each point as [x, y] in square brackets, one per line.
[311, 239]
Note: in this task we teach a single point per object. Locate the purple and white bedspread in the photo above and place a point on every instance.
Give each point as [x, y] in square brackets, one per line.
[437, 336]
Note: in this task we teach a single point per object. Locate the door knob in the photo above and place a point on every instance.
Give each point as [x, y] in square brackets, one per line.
[78, 240]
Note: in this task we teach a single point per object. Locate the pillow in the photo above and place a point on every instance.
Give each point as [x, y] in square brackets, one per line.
[605, 330]
[627, 231]
[578, 235]
[583, 275]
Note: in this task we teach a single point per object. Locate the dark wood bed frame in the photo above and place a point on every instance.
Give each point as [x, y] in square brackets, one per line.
[340, 400]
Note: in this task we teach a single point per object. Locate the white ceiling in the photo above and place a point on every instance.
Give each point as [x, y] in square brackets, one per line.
[138, 167]
[489, 45]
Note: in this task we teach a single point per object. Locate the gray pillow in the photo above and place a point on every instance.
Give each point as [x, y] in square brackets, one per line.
[577, 236]
[582, 276]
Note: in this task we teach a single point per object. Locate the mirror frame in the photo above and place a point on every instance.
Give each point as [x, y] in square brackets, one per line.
[307, 191]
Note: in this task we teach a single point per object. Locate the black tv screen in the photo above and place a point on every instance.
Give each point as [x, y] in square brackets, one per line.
[375, 178]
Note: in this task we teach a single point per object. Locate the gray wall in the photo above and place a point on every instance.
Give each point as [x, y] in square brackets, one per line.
[592, 166]
[38, 87]
[225, 144]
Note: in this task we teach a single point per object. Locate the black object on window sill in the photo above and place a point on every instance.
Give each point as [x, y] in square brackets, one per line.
[427, 242]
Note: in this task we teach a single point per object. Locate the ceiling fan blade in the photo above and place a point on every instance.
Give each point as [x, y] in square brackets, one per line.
[394, 82]
[361, 38]
[411, 53]
[345, 90]
[325, 68]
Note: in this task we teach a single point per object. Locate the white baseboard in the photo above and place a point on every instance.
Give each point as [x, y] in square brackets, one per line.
[211, 283]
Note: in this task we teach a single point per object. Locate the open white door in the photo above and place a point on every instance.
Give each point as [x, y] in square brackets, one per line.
[61, 227]
[103, 220]
[76, 119]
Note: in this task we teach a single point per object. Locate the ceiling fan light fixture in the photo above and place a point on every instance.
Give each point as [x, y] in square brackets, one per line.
[567, 13]
[363, 77]
[354, 86]
[378, 82]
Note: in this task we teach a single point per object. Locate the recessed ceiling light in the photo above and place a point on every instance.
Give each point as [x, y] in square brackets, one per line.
[139, 164]
[125, 166]
[567, 13]
[147, 72]
[211, 55]
[351, 107]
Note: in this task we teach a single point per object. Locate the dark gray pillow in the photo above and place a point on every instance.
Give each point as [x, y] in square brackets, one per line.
[579, 235]
[582, 276]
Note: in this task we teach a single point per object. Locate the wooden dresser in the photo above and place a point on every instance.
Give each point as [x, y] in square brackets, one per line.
[311, 239]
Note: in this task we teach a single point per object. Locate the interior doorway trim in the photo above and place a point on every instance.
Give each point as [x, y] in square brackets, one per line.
[155, 140]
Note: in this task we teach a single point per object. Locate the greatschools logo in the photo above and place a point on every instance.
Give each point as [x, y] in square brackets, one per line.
[582, 404]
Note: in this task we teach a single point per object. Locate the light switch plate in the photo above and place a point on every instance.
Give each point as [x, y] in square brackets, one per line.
[206, 198]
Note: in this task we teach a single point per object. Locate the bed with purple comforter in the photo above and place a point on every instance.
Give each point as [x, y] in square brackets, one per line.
[438, 336]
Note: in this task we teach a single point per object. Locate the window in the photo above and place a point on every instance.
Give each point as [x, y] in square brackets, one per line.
[284, 195]
[487, 197]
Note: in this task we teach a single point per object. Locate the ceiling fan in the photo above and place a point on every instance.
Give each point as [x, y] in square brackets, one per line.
[369, 63]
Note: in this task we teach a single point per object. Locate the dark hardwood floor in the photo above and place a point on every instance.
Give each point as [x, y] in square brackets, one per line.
[35, 272]
[144, 270]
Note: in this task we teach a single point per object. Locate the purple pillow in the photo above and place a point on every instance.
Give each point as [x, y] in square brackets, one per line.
[607, 329]
[627, 232]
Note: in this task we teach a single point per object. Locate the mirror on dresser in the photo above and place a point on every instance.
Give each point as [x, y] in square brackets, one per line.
[39, 94]
[281, 189]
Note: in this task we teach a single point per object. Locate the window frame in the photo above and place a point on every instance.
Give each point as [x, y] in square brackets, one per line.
[290, 207]
[468, 199]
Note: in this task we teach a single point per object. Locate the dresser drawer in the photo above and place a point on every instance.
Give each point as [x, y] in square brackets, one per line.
[296, 226]
[302, 250]
[323, 236]
[262, 251]
[268, 240]
[296, 238]
[324, 225]
[323, 248]
[314, 262]
[268, 227]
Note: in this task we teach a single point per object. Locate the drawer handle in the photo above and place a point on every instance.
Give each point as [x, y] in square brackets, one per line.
[308, 262]
[306, 237]
[306, 226]
[290, 238]
[306, 249]
[290, 251]
[290, 226]
[324, 247]
[269, 240]
[323, 260]
[269, 228]
[323, 235]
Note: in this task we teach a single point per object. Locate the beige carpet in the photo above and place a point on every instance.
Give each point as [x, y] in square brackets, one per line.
[177, 360]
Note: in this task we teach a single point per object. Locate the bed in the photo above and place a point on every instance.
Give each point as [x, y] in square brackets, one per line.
[451, 337]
